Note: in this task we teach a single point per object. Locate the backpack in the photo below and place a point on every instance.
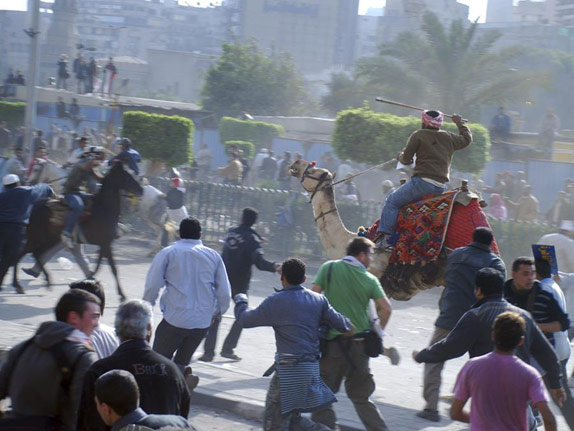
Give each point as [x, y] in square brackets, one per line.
[45, 423]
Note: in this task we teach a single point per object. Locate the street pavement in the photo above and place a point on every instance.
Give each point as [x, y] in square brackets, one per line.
[238, 386]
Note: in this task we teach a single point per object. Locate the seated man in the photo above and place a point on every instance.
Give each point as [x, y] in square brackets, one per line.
[117, 400]
[80, 176]
[433, 149]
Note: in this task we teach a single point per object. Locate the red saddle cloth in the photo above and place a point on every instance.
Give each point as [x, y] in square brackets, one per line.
[426, 226]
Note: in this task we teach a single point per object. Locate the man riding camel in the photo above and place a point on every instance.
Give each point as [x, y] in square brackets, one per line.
[433, 149]
[82, 175]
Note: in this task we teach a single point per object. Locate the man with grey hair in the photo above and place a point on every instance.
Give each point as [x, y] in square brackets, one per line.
[162, 386]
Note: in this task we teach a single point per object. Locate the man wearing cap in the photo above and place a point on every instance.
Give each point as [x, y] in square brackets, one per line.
[433, 149]
[129, 156]
[16, 204]
[80, 176]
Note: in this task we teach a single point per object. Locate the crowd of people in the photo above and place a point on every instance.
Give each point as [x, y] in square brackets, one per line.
[86, 75]
[78, 374]
[93, 376]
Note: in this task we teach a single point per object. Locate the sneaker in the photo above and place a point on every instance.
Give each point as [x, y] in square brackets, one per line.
[206, 357]
[66, 239]
[429, 415]
[393, 355]
[230, 355]
[31, 272]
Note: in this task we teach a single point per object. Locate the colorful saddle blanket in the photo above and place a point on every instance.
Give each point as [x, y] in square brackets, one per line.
[426, 226]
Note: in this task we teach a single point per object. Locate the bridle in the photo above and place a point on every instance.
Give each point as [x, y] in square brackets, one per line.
[324, 178]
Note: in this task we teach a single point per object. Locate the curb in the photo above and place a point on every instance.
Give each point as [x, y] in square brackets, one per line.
[250, 410]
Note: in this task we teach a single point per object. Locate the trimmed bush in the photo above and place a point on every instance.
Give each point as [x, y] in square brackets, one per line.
[247, 147]
[14, 113]
[160, 137]
[365, 136]
[258, 132]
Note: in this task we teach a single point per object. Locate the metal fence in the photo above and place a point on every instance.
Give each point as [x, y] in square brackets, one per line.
[286, 218]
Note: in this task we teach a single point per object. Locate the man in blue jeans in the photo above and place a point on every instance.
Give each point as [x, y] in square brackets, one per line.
[81, 175]
[433, 149]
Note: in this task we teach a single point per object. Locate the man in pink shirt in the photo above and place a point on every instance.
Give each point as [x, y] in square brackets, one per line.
[500, 384]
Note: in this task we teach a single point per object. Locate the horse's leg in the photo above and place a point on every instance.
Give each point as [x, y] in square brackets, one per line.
[109, 254]
[100, 256]
[43, 269]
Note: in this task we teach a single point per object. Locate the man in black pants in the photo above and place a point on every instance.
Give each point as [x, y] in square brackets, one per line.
[242, 249]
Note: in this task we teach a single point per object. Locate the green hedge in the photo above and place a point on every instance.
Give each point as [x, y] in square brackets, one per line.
[365, 136]
[258, 132]
[14, 113]
[160, 137]
[247, 147]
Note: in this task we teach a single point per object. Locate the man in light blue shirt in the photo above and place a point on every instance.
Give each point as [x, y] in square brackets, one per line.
[197, 291]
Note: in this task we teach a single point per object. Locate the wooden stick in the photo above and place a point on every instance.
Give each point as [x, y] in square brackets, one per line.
[404, 105]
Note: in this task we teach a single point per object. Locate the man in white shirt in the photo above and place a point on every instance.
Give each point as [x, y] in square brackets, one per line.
[197, 291]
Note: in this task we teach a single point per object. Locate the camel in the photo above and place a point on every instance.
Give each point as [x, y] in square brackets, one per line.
[335, 236]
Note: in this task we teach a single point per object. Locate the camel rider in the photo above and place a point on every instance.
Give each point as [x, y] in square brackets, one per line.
[433, 149]
[81, 176]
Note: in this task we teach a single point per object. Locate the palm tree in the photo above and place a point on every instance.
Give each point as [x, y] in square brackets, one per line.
[454, 69]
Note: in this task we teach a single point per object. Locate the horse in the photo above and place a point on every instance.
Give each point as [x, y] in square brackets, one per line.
[153, 210]
[49, 173]
[98, 228]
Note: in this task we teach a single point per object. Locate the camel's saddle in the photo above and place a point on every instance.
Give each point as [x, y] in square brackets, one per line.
[435, 223]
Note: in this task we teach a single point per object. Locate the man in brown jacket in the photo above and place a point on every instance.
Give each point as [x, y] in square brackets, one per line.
[233, 172]
[433, 149]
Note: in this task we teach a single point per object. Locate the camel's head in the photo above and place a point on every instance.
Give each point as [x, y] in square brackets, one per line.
[310, 176]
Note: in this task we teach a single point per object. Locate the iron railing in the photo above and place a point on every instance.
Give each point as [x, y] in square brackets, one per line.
[286, 218]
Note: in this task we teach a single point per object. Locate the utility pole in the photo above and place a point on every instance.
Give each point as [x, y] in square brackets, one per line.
[31, 97]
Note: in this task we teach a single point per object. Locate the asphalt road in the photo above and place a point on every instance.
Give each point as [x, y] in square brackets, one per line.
[398, 388]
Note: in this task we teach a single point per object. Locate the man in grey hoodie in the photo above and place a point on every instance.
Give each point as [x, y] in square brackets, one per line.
[44, 375]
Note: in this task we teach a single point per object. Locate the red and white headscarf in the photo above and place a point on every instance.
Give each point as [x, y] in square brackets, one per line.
[178, 183]
[434, 122]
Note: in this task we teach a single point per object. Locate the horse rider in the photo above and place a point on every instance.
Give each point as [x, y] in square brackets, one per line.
[82, 175]
[16, 202]
[129, 156]
[433, 149]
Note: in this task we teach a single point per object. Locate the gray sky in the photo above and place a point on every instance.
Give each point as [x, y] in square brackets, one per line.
[477, 7]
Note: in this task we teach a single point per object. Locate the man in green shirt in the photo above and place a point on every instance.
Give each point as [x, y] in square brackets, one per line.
[349, 287]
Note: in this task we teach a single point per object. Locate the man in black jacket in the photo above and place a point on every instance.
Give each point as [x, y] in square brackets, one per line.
[462, 266]
[161, 384]
[117, 399]
[529, 294]
[473, 333]
[43, 376]
[242, 249]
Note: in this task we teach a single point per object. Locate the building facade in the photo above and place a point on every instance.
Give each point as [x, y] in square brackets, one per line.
[318, 34]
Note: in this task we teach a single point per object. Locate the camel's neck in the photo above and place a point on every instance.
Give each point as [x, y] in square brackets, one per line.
[334, 236]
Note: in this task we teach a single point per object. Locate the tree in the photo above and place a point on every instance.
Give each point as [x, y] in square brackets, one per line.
[160, 138]
[369, 137]
[245, 80]
[13, 113]
[452, 69]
